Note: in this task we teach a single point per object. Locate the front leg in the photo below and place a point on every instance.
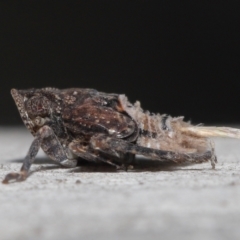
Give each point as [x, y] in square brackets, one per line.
[50, 144]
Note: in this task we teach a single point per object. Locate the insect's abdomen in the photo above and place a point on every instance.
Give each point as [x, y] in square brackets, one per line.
[162, 132]
[153, 128]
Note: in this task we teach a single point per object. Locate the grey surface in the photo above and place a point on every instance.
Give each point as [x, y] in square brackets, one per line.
[184, 202]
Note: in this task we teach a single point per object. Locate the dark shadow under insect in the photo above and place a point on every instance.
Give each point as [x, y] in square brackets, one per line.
[78, 123]
[139, 165]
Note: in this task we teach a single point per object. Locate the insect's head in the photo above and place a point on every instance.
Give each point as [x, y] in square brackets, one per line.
[35, 106]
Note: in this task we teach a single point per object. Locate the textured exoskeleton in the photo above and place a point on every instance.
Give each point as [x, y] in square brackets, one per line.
[78, 123]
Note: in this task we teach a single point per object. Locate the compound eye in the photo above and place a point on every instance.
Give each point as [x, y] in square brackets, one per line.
[37, 106]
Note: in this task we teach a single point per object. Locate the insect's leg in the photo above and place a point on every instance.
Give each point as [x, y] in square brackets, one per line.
[109, 145]
[53, 148]
[127, 160]
[102, 144]
[84, 152]
[213, 158]
[45, 138]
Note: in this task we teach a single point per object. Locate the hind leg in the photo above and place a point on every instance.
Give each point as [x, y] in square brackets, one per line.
[110, 145]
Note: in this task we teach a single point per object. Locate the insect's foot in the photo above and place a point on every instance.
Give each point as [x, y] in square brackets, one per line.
[213, 161]
[213, 165]
[122, 167]
[15, 177]
[130, 167]
[69, 163]
[125, 167]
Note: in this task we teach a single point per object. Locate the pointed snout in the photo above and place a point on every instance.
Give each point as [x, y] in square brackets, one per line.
[14, 91]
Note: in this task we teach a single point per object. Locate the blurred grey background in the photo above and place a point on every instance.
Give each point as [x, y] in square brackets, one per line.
[176, 57]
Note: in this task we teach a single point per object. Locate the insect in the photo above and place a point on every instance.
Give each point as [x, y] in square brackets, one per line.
[76, 123]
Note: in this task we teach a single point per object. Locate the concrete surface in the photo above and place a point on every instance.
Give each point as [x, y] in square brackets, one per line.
[96, 202]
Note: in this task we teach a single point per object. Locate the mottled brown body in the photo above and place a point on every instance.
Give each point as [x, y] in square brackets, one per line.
[78, 123]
